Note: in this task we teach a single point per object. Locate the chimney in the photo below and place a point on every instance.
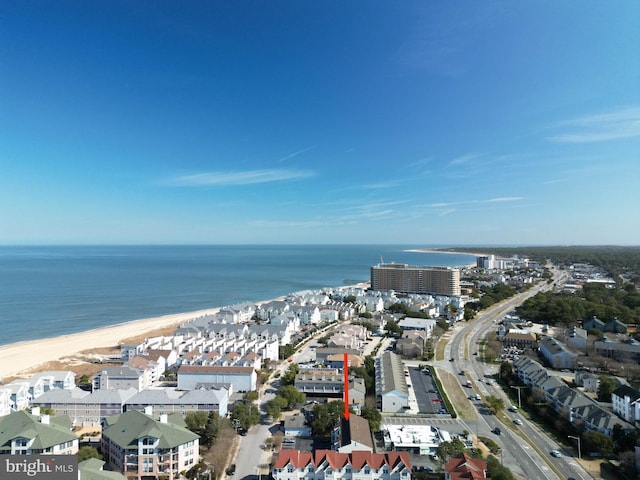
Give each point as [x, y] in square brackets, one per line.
[35, 411]
[164, 418]
[148, 410]
[45, 420]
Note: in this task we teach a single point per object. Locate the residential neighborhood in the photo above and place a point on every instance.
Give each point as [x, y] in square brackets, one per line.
[213, 364]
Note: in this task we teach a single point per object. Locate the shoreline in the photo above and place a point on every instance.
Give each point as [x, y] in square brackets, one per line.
[446, 252]
[21, 357]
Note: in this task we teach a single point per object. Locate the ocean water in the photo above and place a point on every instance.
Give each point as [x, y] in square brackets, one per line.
[57, 290]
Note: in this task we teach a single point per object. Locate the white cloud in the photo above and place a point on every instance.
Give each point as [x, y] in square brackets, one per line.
[463, 159]
[475, 202]
[623, 123]
[503, 199]
[296, 153]
[248, 177]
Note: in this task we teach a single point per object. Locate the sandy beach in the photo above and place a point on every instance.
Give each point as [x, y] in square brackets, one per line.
[20, 357]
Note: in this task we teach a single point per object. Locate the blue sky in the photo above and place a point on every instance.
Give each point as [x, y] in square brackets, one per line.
[414, 122]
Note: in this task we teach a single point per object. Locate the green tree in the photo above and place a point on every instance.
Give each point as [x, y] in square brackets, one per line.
[446, 450]
[274, 406]
[86, 452]
[285, 351]
[497, 471]
[605, 388]
[373, 416]
[326, 416]
[392, 328]
[597, 442]
[290, 376]
[252, 396]
[292, 395]
[495, 404]
[349, 299]
[196, 421]
[506, 370]
[246, 414]
[624, 440]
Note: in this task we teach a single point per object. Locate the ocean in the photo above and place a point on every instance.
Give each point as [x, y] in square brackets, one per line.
[46, 291]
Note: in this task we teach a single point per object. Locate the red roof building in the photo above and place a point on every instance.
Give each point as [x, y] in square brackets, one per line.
[320, 464]
[465, 467]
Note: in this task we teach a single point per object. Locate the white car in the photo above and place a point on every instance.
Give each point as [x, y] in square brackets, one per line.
[555, 453]
[517, 421]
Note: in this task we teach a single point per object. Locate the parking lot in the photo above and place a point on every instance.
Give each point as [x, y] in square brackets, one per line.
[426, 392]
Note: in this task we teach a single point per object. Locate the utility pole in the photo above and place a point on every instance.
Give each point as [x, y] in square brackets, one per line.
[519, 402]
[578, 439]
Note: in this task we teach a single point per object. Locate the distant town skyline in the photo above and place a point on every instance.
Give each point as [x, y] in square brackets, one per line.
[415, 123]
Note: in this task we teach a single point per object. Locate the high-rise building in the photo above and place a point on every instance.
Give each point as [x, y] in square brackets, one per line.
[409, 279]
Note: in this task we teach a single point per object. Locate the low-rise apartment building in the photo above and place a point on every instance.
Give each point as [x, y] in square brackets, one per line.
[625, 402]
[23, 433]
[392, 393]
[330, 465]
[140, 445]
[241, 379]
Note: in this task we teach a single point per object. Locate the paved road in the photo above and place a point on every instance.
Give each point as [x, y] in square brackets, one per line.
[518, 453]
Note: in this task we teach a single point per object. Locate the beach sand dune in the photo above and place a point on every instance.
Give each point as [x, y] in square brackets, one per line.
[21, 357]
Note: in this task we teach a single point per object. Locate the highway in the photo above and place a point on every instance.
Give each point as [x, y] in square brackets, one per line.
[518, 453]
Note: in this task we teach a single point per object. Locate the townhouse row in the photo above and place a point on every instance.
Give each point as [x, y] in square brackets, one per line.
[571, 404]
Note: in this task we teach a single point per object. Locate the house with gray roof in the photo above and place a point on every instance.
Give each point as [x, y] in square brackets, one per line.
[23, 433]
[268, 310]
[422, 324]
[593, 324]
[577, 338]
[587, 380]
[355, 435]
[296, 426]
[323, 353]
[571, 403]
[618, 347]
[171, 400]
[392, 393]
[84, 408]
[139, 444]
[615, 326]
[121, 378]
[320, 381]
[242, 379]
[557, 354]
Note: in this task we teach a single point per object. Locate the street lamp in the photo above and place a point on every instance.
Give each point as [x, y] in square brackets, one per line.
[519, 388]
[578, 439]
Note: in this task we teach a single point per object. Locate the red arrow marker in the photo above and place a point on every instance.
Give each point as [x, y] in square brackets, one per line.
[345, 369]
